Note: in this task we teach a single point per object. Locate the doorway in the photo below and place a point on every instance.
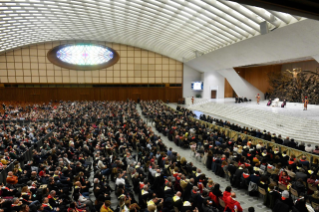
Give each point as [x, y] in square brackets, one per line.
[137, 98]
[213, 94]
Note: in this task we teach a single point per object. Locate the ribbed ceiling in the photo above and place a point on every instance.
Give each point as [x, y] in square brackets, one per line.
[178, 29]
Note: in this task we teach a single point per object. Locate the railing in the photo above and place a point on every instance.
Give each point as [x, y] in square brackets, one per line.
[27, 156]
[234, 135]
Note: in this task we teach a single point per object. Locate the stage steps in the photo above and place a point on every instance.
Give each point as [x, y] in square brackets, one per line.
[300, 129]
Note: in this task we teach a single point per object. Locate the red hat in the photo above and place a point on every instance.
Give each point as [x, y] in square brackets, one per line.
[306, 97]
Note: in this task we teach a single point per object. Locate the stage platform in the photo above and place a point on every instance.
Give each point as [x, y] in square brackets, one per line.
[292, 108]
[291, 121]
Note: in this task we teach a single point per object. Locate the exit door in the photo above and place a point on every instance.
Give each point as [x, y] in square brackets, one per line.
[213, 94]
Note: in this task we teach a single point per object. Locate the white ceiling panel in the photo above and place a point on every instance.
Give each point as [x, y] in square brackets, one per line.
[175, 28]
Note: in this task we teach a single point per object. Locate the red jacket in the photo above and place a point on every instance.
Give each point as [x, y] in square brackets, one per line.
[284, 180]
[213, 197]
[231, 204]
[225, 195]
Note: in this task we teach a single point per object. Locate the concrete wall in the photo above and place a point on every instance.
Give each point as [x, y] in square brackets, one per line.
[213, 81]
[297, 40]
[190, 75]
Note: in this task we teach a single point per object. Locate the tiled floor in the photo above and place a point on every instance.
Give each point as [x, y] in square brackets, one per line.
[242, 195]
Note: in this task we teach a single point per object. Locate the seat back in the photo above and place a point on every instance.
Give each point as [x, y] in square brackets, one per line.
[262, 191]
[314, 205]
[312, 188]
[269, 170]
[293, 192]
[221, 202]
[273, 182]
[282, 187]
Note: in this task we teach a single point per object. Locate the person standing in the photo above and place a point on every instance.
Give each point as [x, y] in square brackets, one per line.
[306, 101]
[258, 98]
[283, 103]
[266, 95]
[192, 100]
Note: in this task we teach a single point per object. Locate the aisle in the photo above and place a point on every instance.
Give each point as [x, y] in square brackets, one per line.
[245, 200]
[114, 199]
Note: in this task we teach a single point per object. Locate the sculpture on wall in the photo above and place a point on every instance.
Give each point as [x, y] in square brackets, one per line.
[294, 72]
[294, 85]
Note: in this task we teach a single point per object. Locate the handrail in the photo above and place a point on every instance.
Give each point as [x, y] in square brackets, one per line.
[27, 156]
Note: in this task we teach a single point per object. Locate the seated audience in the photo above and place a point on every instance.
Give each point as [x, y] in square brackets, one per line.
[112, 140]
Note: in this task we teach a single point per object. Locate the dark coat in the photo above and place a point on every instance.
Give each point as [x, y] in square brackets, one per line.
[280, 206]
[209, 162]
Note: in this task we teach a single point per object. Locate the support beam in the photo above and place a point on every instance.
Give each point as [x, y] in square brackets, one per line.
[316, 57]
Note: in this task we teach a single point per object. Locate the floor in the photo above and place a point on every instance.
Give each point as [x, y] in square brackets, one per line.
[291, 109]
[114, 200]
[245, 200]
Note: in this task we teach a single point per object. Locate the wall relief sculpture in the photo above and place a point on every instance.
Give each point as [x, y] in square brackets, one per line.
[293, 85]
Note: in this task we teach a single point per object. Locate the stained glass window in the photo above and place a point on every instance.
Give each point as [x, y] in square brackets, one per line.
[84, 54]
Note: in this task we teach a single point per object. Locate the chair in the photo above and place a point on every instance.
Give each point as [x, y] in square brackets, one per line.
[221, 202]
[282, 187]
[294, 192]
[262, 191]
[314, 205]
[44, 186]
[312, 188]
[269, 170]
[273, 182]
[275, 102]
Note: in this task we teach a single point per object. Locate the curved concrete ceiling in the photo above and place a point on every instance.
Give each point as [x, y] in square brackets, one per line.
[178, 29]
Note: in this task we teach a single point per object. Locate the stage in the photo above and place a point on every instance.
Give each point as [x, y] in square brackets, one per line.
[292, 109]
[291, 121]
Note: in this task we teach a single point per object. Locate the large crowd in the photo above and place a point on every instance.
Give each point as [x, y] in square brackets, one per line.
[51, 111]
[16, 139]
[57, 176]
[256, 168]
[94, 151]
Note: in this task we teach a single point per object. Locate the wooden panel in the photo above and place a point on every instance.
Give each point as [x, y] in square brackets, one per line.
[213, 94]
[258, 76]
[110, 93]
[135, 66]
[228, 90]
